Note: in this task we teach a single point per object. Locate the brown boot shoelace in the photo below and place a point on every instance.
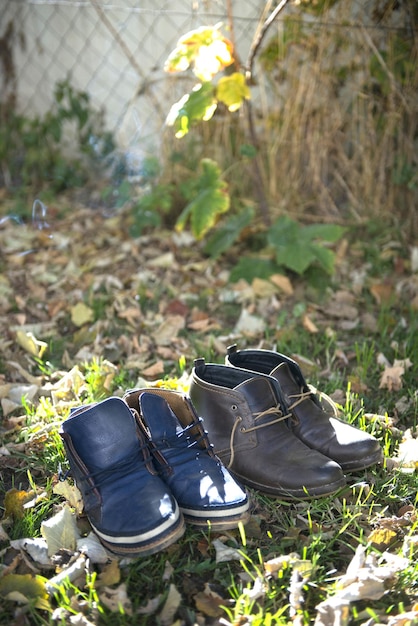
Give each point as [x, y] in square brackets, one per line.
[273, 410]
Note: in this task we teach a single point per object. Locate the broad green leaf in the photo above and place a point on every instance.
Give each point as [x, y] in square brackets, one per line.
[324, 257]
[297, 247]
[229, 231]
[249, 268]
[197, 106]
[233, 90]
[283, 232]
[324, 232]
[210, 199]
[296, 258]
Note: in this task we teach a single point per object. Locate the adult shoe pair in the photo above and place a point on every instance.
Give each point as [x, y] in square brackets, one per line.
[144, 465]
[270, 429]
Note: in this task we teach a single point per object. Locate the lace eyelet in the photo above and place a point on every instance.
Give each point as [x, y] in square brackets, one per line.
[234, 407]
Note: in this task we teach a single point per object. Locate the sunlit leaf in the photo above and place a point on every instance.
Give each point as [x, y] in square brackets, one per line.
[224, 553]
[204, 49]
[197, 106]
[110, 574]
[60, 531]
[71, 493]
[30, 343]
[25, 588]
[14, 502]
[233, 90]
[382, 538]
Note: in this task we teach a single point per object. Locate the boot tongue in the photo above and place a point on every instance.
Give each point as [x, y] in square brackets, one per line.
[158, 417]
[259, 393]
[288, 384]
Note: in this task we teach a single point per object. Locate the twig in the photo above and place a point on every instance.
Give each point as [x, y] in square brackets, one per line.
[230, 15]
[257, 41]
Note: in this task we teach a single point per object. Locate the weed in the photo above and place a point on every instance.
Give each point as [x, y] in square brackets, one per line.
[33, 151]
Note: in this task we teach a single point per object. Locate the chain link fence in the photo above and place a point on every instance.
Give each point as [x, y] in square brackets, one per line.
[112, 49]
[337, 109]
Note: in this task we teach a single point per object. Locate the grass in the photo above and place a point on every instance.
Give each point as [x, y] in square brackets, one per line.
[324, 533]
[315, 540]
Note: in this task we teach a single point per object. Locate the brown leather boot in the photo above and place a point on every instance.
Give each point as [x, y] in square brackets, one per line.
[352, 448]
[246, 421]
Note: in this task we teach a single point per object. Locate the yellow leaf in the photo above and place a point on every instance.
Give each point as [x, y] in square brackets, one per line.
[30, 343]
[110, 575]
[381, 538]
[233, 90]
[212, 59]
[81, 314]
[23, 588]
[14, 501]
[309, 325]
[205, 49]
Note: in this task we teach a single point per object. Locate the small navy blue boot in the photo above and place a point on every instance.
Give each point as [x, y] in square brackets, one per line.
[129, 507]
[204, 489]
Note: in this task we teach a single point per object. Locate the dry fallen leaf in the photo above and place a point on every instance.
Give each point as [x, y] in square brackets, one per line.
[168, 330]
[225, 553]
[249, 324]
[263, 288]
[116, 600]
[366, 579]
[36, 548]
[71, 493]
[209, 602]
[60, 531]
[283, 283]
[309, 325]
[391, 377]
[383, 293]
[170, 607]
[94, 550]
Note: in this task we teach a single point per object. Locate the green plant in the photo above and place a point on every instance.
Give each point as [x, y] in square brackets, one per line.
[34, 151]
[200, 199]
[292, 246]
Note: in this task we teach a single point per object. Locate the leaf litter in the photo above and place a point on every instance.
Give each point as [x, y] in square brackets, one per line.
[145, 303]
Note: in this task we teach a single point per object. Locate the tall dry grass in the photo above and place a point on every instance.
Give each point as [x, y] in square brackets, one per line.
[336, 110]
[339, 122]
